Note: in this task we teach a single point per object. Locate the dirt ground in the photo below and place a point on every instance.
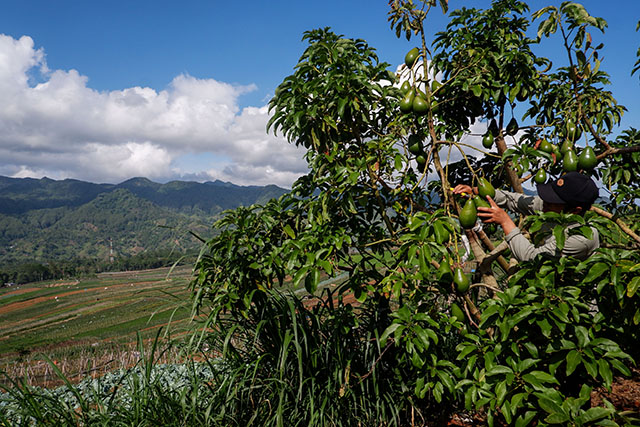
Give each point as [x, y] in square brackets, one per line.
[624, 395]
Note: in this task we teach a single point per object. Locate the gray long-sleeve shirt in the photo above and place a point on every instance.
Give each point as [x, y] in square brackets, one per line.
[575, 245]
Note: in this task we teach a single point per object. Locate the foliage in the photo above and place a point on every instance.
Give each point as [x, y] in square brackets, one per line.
[543, 340]
[294, 361]
[526, 342]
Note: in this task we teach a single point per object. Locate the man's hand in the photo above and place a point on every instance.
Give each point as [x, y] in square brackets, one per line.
[495, 214]
[463, 188]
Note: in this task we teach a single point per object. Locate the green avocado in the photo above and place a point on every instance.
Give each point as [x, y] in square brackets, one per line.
[587, 159]
[487, 140]
[573, 132]
[566, 146]
[570, 161]
[411, 56]
[522, 95]
[540, 176]
[406, 87]
[420, 106]
[422, 162]
[461, 280]
[415, 145]
[493, 128]
[457, 312]
[485, 188]
[468, 214]
[480, 202]
[545, 146]
[406, 104]
[512, 126]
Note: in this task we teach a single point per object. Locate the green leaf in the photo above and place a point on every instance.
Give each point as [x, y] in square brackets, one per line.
[620, 367]
[506, 412]
[387, 332]
[583, 336]
[465, 351]
[423, 337]
[573, 359]
[540, 376]
[522, 314]
[437, 392]
[594, 414]
[300, 274]
[342, 102]
[501, 392]
[311, 281]
[550, 406]
[557, 418]
[398, 162]
[591, 368]
[287, 229]
[532, 349]
[596, 271]
[525, 420]
[446, 379]
[516, 400]
[633, 286]
[605, 371]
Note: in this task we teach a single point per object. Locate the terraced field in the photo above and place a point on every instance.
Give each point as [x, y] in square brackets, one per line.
[86, 323]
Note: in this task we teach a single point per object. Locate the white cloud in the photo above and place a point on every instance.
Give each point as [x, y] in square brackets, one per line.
[60, 127]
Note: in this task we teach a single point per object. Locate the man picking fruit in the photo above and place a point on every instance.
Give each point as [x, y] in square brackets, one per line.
[572, 193]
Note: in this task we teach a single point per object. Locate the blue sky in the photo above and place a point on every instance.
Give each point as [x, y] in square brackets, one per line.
[182, 58]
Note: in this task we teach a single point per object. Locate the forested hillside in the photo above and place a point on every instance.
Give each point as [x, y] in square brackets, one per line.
[45, 220]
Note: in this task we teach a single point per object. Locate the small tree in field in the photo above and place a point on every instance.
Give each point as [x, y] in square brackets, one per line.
[441, 318]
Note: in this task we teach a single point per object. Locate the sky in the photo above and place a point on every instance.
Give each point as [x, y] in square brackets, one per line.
[106, 91]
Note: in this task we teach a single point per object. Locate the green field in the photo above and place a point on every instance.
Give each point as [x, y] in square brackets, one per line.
[92, 320]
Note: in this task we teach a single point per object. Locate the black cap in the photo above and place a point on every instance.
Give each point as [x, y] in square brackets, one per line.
[573, 189]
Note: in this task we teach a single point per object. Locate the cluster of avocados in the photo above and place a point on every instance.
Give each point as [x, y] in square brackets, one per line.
[493, 131]
[456, 277]
[469, 212]
[461, 282]
[416, 148]
[414, 100]
[571, 161]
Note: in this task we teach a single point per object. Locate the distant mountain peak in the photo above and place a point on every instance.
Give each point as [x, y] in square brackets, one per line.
[139, 180]
[47, 219]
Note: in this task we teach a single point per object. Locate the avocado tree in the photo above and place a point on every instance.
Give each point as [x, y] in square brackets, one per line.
[440, 312]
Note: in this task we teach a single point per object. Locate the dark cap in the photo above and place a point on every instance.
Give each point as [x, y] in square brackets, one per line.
[573, 189]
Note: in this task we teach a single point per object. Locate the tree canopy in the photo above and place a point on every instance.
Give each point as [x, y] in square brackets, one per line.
[427, 300]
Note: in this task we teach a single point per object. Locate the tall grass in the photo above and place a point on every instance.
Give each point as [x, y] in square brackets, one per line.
[79, 362]
[149, 393]
[288, 363]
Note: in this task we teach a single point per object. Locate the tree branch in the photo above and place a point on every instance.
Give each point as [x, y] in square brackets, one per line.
[623, 150]
[618, 221]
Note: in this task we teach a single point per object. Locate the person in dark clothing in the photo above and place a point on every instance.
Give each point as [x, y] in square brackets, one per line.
[572, 193]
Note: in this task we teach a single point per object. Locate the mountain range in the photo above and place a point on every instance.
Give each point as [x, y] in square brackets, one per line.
[46, 219]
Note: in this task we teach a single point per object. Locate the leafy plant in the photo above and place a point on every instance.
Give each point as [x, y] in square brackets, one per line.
[452, 321]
